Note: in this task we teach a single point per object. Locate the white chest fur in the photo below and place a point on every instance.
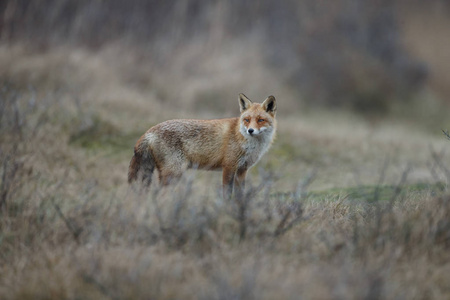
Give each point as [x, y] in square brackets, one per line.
[254, 148]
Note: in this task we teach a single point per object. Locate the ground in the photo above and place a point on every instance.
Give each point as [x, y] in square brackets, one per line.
[343, 206]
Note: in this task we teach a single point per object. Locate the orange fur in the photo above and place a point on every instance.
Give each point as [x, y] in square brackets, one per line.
[232, 145]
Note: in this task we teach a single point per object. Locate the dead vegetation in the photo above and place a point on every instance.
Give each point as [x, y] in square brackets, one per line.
[64, 234]
[343, 206]
[346, 54]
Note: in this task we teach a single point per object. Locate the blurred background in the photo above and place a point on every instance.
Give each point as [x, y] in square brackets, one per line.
[351, 201]
[363, 55]
[357, 81]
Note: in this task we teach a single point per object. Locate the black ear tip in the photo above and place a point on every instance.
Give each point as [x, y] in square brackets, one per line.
[270, 104]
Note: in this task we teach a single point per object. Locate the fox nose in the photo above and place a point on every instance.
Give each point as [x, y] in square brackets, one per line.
[251, 130]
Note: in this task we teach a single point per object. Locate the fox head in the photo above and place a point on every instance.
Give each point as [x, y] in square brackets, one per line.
[257, 119]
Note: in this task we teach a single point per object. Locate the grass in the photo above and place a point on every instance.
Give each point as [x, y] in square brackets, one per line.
[381, 193]
[102, 136]
[340, 207]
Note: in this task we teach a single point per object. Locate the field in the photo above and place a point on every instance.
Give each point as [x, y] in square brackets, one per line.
[341, 207]
[345, 205]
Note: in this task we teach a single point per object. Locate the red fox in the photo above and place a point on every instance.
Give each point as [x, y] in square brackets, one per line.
[232, 145]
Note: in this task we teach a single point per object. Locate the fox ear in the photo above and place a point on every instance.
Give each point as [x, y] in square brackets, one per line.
[270, 105]
[244, 102]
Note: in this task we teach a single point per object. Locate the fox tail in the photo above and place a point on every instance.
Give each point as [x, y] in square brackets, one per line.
[141, 160]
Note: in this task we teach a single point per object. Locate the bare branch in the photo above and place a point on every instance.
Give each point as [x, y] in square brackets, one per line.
[75, 230]
[446, 133]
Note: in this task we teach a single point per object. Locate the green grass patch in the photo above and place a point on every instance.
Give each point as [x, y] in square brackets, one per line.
[101, 135]
[371, 193]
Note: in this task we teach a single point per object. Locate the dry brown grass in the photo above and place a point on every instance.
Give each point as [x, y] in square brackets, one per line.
[71, 228]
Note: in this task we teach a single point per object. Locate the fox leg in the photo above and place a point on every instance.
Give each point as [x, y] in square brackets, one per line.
[170, 176]
[228, 180]
[172, 172]
[239, 184]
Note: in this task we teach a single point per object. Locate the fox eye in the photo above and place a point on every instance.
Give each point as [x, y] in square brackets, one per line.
[247, 120]
[261, 120]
